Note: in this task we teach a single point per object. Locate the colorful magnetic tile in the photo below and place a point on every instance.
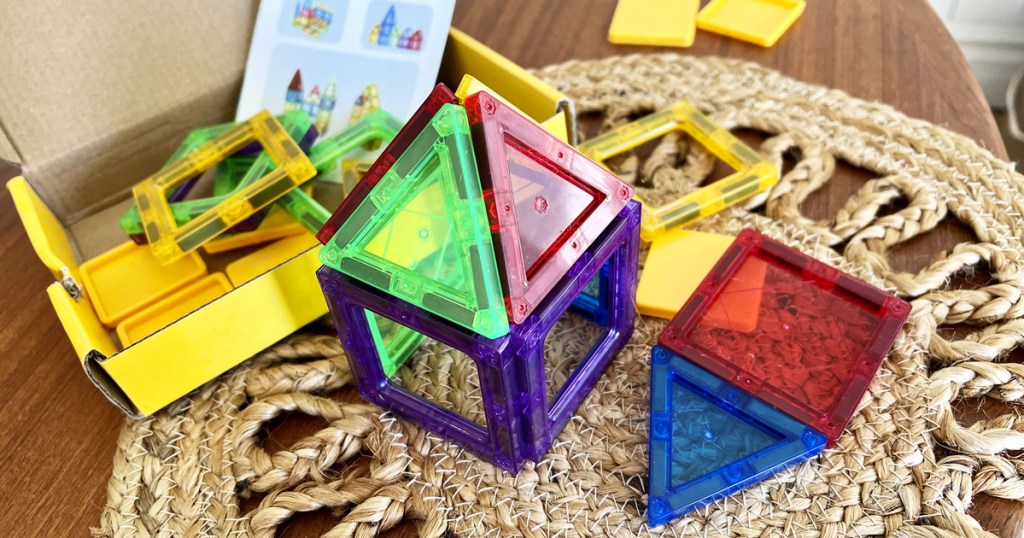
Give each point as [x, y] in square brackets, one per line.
[676, 264]
[709, 439]
[395, 343]
[127, 278]
[167, 240]
[470, 85]
[352, 171]
[422, 235]
[376, 126]
[546, 202]
[761, 22]
[818, 338]
[278, 225]
[592, 303]
[521, 421]
[420, 119]
[670, 23]
[753, 173]
[172, 308]
[240, 169]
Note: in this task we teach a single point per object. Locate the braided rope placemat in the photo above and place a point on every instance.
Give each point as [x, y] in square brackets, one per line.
[905, 465]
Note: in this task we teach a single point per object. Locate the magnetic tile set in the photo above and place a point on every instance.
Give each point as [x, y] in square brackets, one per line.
[478, 227]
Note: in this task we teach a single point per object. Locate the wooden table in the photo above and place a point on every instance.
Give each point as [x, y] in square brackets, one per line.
[59, 434]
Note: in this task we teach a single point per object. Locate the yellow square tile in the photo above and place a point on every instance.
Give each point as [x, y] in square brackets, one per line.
[761, 22]
[162, 313]
[676, 264]
[127, 278]
[669, 23]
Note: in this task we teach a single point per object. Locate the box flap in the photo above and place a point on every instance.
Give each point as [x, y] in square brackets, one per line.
[106, 89]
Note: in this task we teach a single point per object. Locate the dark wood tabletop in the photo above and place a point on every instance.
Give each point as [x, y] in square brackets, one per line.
[59, 433]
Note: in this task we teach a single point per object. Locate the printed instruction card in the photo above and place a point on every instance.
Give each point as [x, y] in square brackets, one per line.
[339, 59]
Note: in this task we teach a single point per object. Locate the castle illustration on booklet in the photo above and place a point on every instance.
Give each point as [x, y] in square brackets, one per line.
[386, 33]
[311, 55]
[312, 18]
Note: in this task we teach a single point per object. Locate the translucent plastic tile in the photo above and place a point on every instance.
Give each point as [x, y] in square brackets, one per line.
[422, 235]
[440, 96]
[761, 22]
[753, 173]
[813, 347]
[670, 23]
[709, 440]
[167, 239]
[546, 202]
[244, 167]
[592, 303]
[395, 343]
[376, 126]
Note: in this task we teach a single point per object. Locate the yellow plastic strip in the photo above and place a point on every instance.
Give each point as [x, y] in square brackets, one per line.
[753, 173]
[278, 225]
[670, 23]
[170, 242]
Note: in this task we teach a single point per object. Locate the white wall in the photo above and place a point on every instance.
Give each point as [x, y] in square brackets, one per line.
[991, 34]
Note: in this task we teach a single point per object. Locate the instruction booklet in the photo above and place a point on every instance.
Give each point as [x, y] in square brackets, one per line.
[339, 59]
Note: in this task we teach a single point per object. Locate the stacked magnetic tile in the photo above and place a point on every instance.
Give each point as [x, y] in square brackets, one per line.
[479, 229]
[244, 167]
[761, 369]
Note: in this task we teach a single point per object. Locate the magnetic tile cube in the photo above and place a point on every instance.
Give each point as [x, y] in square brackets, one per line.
[521, 422]
[752, 174]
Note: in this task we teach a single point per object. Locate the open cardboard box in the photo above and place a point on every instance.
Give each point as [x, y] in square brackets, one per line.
[126, 100]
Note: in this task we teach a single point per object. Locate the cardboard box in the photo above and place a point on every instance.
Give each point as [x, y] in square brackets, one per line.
[107, 109]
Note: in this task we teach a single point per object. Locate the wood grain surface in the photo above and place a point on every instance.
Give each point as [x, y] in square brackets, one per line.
[59, 434]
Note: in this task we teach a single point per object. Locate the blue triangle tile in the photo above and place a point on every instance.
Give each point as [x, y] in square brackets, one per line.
[709, 439]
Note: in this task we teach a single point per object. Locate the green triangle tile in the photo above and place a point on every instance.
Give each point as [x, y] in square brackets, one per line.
[422, 233]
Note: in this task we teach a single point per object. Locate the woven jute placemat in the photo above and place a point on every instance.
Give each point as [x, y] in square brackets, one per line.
[905, 466]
